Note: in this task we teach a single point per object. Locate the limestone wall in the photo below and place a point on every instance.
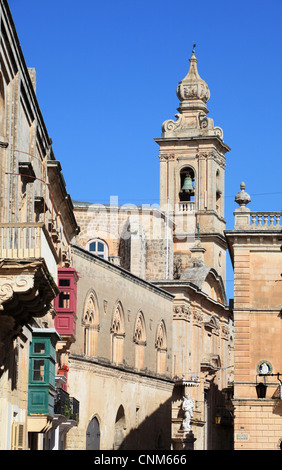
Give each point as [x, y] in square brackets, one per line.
[129, 360]
[140, 237]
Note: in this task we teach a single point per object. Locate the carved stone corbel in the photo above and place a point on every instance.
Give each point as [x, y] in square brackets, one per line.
[166, 157]
[11, 285]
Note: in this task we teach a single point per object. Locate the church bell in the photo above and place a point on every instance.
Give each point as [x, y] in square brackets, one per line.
[187, 185]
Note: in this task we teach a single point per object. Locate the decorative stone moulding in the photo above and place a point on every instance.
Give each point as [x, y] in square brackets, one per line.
[192, 381]
[192, 87]
[182, 312]
[11, 285]
[191, 121]
[26, 295]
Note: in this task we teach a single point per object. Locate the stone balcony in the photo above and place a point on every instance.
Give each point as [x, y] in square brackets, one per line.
[257, 221]
[248, 220]
[186, 206]
[266, 220]
[28, 241]
[28, 275]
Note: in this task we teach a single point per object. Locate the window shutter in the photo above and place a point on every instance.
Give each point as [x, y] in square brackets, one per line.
[17, 441]
[20, 436]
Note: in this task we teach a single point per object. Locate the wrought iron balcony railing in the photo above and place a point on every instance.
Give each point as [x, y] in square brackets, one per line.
[66, 405]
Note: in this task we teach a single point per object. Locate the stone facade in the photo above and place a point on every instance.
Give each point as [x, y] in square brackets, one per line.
[138, 238]
[255, 248]
[125, 336]
[180, 248]
[36, 228]
[122, 358]
[131, 300]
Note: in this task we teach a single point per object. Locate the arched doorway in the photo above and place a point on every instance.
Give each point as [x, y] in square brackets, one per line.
[119, 429]
[93, 435]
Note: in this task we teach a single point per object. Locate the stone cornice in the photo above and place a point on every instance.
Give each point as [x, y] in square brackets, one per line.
[176, 285]
[185, 139]
[123, 371]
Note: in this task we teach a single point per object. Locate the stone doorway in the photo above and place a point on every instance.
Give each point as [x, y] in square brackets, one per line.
[93, 435]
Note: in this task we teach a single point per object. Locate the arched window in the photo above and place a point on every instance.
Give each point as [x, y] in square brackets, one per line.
[139, 339]
[98, 247]
[161, 348]
[117, 333]
[90, 325]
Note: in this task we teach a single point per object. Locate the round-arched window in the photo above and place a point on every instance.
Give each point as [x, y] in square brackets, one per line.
[98, 247]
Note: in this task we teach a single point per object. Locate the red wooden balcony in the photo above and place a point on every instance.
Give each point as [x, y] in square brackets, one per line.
[66, 303]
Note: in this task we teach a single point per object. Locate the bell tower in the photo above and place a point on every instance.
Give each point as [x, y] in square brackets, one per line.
[192, 166]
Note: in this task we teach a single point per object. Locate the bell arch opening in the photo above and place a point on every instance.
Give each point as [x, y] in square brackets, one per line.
[187, 184]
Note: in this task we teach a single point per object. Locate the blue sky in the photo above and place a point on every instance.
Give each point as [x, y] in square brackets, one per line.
[107, 73]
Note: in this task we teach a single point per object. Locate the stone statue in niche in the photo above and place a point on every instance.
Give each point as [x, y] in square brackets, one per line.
[187, 407]
[177, 268]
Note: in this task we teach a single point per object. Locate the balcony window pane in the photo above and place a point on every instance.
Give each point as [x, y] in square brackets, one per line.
[100, 246]
[92, 246]
[39, 348]
[64, 282]
[64, 300]
[38, 370]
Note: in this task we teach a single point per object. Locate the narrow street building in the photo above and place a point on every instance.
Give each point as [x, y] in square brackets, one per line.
[255, 250]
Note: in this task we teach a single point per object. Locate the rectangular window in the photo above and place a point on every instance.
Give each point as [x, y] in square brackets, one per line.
[64, 300]
[38, 370]
[64, 282]
[92, 246]
[39, 348]
[100, 246]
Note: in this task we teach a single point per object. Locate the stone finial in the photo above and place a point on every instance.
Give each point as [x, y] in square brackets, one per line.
[242, 198]
[192, 87]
